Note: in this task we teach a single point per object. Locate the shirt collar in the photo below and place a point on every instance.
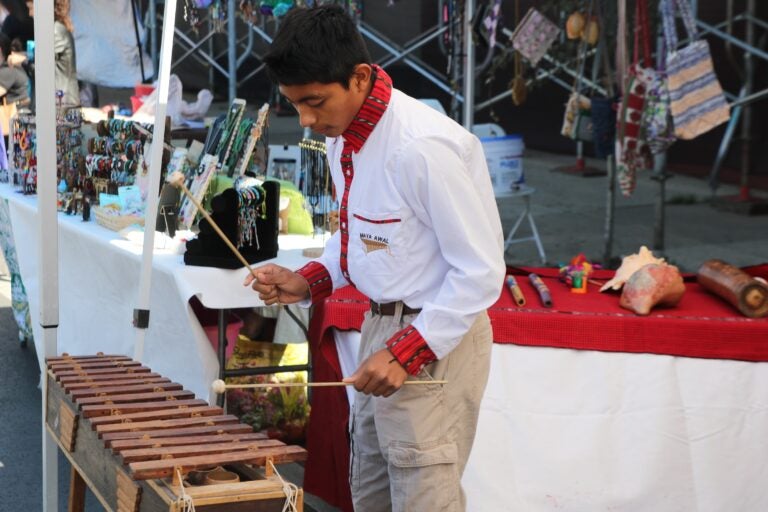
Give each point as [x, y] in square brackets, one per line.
[369, 114]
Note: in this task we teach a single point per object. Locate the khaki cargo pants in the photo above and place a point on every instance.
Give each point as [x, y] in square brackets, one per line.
[408, 451]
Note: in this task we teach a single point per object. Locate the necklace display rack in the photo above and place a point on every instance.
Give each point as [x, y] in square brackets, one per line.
[315, 182]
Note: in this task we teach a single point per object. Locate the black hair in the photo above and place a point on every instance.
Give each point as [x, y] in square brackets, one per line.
[5, 45]
[318, 44]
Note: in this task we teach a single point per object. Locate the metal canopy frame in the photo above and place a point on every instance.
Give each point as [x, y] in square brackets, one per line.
[238, 49]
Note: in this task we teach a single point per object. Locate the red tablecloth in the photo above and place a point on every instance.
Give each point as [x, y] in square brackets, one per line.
[702, 325]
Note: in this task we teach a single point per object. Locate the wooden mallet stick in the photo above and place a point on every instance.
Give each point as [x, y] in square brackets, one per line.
[219, 386]
[177, 179]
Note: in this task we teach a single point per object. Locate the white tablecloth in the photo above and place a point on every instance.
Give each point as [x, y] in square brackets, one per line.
[98, 291]
[584, 431]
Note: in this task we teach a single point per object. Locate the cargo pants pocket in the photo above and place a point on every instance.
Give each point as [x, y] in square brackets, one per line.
[424, 476]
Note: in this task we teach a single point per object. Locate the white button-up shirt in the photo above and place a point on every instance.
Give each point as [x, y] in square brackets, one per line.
[423, 223]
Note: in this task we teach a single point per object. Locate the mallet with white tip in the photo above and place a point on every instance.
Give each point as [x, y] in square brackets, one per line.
[219, 386]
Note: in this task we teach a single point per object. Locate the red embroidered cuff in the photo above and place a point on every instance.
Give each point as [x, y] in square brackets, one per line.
[411, 350]
[320, 284]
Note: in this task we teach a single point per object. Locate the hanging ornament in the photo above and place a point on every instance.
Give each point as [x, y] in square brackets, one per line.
[575, 25]
[591, 31]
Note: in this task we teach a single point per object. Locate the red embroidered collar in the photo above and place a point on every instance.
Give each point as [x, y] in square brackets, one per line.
[369, 114]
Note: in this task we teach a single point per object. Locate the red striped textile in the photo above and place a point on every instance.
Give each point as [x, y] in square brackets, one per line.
[319, 280]
[411, 350]
[354, 137]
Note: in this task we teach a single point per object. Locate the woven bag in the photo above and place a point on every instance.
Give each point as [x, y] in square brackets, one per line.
[696, 97]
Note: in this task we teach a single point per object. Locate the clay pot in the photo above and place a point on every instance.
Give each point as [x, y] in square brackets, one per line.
[574, 25]
[652, 285]
[221, 476]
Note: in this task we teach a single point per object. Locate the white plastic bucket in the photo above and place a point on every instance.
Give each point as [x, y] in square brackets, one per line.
[504, 156]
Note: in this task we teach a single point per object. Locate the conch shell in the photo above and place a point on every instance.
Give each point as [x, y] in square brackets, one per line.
[652, 285]
[629, 265]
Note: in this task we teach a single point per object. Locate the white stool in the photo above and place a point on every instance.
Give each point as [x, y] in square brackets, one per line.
[525, 192]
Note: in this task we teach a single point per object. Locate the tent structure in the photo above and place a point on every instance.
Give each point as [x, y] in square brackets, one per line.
[48, 227]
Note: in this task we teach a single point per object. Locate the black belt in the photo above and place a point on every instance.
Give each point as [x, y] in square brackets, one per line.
[388, 309]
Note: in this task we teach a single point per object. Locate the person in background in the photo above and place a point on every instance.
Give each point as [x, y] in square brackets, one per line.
[64, 52]
[14, 87]
[420, 235]
[17, 24]
[13, 81]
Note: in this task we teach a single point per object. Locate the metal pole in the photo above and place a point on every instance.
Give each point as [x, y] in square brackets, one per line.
[469, 66]
[660, 175]
[610, 207]
[231, 49]
[210, 52]
[47, 229]
[156, 157]
[152, 26]
[746, 120]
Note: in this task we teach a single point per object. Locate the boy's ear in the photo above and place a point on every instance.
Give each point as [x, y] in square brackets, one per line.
[361, 76]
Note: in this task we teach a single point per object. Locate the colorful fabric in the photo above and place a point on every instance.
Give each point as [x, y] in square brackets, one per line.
[634, 154]
[411, 350]
[319, 280]
[657, 116]
[19, 301]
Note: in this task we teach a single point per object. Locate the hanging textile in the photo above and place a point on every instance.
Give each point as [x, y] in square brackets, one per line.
[697, 100]
[633, 152]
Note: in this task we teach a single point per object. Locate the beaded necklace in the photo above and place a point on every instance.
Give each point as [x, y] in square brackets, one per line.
[314, 180]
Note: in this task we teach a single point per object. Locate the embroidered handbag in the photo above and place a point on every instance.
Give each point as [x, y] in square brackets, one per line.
[696, 97]
[634, 153]
[577, 121]
[657, 116]
[534, 35]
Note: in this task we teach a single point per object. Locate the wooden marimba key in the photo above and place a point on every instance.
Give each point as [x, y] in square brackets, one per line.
[131, 434]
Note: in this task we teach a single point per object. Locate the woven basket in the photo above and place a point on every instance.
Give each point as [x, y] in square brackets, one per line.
[115, 222]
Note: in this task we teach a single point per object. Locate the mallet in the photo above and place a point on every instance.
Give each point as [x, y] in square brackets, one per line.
[219, 386]
[177, 179]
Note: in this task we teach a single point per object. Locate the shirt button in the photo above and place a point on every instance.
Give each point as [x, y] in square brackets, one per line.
[349, 173]
[344, 224]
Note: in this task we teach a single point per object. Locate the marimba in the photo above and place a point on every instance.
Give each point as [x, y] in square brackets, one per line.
[135, 438]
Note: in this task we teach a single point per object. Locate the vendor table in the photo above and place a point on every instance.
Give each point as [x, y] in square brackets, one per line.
[588, 406]
[99, 282]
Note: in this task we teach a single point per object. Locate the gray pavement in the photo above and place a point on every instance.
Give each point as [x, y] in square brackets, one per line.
[569, 211]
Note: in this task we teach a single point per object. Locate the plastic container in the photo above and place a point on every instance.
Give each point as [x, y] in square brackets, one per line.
[141, 90]
[504, 156]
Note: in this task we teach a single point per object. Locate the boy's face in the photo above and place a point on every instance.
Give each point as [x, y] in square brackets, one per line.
[328, 109]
